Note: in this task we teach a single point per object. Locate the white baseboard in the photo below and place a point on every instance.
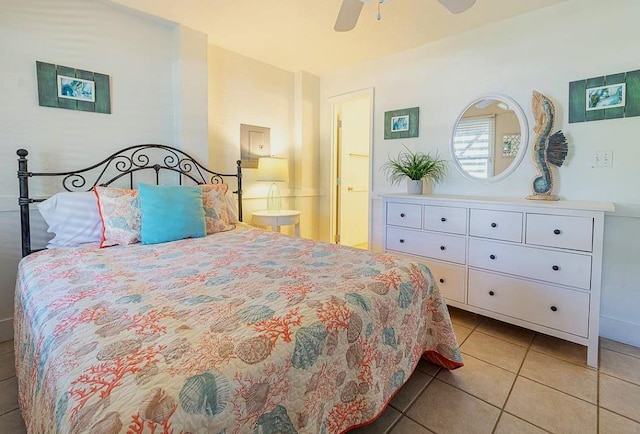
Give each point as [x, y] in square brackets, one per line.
[620, 331]
[6, 329]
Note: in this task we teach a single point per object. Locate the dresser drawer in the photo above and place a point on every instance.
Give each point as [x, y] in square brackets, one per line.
[564, 268]
[566, 232]
[445, 219]
[498, 225]
[550, 306]
[437, 246]
[450, 280]
[404, 214]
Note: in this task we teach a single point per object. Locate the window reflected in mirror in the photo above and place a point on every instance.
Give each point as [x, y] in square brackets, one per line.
[487, 139]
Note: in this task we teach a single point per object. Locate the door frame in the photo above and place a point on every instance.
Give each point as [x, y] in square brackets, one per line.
[334, 101]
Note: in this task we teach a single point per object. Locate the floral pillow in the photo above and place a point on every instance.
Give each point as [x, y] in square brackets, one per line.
[120, 213]
[214, 203]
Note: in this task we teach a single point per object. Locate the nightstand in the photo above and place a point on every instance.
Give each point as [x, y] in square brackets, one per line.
[275, 219]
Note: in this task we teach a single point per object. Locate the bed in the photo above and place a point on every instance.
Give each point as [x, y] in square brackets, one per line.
[239, 331]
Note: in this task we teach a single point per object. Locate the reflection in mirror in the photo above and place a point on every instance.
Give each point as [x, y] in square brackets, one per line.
[489, 138]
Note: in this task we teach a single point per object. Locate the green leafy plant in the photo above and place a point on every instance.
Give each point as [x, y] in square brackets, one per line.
[415, 166]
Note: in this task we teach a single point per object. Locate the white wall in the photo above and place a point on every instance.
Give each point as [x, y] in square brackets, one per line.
[543, 50]
[246, 91]
[190, 84]
[151, 100]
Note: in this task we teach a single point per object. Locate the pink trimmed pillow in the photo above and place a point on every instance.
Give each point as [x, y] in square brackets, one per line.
[121, 216]
[214, 203]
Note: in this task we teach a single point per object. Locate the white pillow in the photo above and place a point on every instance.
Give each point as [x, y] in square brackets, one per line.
[73, 218]
[232, 207]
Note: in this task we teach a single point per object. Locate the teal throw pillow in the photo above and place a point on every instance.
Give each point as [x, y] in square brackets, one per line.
[170, 212]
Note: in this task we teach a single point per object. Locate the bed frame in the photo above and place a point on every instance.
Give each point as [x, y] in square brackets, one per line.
[121, 164]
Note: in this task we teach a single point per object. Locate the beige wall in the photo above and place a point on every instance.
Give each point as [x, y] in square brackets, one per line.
[247, 91]
[543, 50]
[307, 150]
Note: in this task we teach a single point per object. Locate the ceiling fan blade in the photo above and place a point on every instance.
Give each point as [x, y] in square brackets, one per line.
[457, 6]
[348, 15]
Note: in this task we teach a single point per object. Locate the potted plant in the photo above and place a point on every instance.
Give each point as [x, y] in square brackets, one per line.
[415, 166]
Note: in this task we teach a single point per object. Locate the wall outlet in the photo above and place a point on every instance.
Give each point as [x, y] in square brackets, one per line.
[602, 159]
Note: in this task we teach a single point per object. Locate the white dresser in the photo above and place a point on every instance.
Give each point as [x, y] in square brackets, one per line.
[536, 264]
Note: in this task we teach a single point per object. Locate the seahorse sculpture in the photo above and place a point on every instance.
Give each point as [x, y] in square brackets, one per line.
[548, 148]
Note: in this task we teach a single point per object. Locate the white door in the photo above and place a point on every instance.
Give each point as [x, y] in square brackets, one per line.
[352, 184]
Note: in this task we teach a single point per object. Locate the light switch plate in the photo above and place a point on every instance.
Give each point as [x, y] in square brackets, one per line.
[602, 159]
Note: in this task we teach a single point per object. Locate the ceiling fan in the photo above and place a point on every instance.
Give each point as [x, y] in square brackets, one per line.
[350, 11]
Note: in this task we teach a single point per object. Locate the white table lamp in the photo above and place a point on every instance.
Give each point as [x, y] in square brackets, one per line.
[273, 170]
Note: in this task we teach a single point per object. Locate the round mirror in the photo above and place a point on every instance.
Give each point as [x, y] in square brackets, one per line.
[489, 138]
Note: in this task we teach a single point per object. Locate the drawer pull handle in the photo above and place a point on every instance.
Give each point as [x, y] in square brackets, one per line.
[442, 247]
[555, 268]
[556, 231]
[443, 219]
[441, 280]
[401, 214]
[493, 225]
[492, 256]
[554, 309]
[401, 241]
[491, 293]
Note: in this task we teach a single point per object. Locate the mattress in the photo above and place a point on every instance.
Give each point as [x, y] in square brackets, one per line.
[237, 332]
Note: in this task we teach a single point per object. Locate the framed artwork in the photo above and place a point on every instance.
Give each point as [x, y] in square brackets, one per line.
[602, 97]
[74, 89]
[401, 124]
[510, 145]
[607, 97]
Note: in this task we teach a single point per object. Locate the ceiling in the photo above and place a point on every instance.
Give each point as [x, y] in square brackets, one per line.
[298, 35]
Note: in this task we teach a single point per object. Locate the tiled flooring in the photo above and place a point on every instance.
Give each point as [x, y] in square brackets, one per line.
[517, 381]
[10, 418]
[514, 381]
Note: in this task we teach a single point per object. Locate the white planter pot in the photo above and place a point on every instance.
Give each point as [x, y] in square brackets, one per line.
[414, 187]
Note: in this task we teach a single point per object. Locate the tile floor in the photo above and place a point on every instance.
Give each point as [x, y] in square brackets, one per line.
[517, 381]
[514, 381]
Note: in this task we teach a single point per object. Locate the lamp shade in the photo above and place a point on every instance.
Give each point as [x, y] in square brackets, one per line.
[273, 169]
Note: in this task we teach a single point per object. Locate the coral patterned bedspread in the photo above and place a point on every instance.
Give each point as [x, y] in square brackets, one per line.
[238, 332]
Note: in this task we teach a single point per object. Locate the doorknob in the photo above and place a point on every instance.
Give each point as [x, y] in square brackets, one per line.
[349, 188]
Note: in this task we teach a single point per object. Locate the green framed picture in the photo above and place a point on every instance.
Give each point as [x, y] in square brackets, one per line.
[74, 89]
[401, 124]
[608, 97]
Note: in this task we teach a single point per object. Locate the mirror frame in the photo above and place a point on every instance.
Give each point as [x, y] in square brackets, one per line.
[524, 138]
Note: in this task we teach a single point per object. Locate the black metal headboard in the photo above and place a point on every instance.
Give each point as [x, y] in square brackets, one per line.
[124, 163]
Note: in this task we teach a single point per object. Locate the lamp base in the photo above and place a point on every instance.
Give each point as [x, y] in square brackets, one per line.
[274, 200]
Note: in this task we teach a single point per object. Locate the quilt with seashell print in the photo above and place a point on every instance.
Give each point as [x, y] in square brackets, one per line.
[238, 332]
